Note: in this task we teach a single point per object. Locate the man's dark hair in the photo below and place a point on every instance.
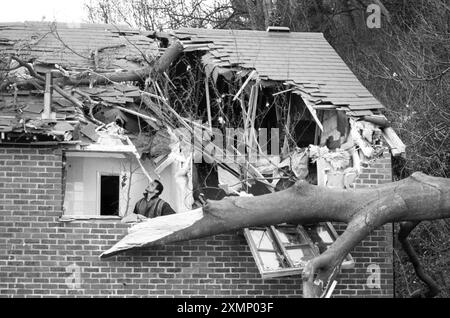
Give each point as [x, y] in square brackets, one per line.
[159, 186]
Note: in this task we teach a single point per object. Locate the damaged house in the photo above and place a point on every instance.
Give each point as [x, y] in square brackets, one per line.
[89, 114]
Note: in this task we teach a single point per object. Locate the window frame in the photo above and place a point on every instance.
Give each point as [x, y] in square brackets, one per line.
[280, 249]
[95, 215]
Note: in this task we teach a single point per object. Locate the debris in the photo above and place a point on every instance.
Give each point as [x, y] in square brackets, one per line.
[34, 108]
[208, 102]
[152, 230]
[379, 120]
[297, 161]
[397, 147]
[63, 127]
[228, 182]
[355, 132]
[250, 77]
[136, 114]
[133, 218]
[89, 131]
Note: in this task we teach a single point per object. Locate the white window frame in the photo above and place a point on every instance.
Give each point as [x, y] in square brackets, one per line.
[97, 154]
[290, 268]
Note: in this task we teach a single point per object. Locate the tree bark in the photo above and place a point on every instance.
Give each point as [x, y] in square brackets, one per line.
[433, 288]
[419, 197]
[160, 66]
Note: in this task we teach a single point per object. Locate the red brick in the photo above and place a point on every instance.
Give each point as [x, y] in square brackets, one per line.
[179, 269]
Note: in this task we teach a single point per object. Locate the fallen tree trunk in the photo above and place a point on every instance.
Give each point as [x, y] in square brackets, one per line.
[160, 66]
[419, 197]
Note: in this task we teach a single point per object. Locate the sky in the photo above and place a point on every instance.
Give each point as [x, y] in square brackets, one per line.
[42, 10]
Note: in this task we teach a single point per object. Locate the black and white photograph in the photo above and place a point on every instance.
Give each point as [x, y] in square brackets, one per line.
[225, 154]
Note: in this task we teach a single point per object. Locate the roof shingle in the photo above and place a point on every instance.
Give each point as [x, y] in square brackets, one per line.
[303, 59]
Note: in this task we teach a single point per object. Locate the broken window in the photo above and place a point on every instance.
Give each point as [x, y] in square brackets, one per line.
[284, 250]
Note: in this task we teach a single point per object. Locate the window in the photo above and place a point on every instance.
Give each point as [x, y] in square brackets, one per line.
[97, 185]
[284, 250]
[109, 195]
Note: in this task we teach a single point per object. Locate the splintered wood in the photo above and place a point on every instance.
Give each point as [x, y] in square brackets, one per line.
[154, 229]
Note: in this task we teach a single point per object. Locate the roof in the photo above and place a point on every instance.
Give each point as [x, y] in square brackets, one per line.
[71, 47]
[305, 62]
[78, 45]
[303, 59]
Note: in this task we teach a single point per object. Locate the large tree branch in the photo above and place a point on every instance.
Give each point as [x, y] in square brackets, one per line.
[87, 78]
[160, 66]
[419, 197]
[433, 288]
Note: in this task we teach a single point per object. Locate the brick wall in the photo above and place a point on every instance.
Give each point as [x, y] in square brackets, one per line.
[41, 256]
[375, 250]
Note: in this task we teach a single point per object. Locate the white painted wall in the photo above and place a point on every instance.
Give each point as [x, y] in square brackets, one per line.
[82, 183]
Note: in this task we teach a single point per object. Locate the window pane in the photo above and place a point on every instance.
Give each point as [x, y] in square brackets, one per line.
[300, 255]
[324, 235]
[290, 236]
[270, 260]
[320, 235]
[262, 239]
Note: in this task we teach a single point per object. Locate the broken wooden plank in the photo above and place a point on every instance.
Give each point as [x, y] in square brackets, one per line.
[138, 158]
[379, 120]
[397, 146]
[329, 291]
[136, 113]
[282, 92]
[208, 102]
[313, 113]
[249, 78]
[47, 96]
[89, 131]
[152, 230]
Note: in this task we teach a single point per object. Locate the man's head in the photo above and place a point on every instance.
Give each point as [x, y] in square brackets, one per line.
[154, 188]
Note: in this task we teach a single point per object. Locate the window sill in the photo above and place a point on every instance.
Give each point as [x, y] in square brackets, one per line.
[72, 218]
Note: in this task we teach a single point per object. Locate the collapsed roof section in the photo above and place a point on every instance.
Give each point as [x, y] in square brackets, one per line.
[70, 53]
[100, 74]
[303, 61]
